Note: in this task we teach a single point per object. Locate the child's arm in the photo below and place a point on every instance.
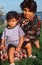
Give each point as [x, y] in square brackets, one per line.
[2, 44]
[20, 43]
[3, 39]
[21, 36]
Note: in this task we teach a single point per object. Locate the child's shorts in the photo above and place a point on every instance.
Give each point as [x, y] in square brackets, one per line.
[10, 46]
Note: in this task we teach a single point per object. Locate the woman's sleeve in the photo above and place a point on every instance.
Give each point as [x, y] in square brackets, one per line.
[39, 28]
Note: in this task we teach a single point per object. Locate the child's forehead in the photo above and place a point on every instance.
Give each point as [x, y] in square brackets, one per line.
[12, 19]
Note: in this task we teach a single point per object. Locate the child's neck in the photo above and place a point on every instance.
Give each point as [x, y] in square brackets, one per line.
[9, 27]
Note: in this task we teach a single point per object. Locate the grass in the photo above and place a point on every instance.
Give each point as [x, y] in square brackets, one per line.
[1, 29]
[30, 61]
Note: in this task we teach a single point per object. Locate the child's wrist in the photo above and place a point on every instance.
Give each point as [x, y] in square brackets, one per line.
[2, 46]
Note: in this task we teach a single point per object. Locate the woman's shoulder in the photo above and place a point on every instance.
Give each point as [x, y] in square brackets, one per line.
[37, 17]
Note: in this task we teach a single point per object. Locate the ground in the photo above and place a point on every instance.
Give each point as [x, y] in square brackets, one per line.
[29, 61]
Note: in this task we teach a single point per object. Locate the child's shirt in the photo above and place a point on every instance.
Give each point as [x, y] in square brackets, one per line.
[31, 28]
[11, 36]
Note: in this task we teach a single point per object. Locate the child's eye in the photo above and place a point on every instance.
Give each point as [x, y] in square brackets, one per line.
[13, 21]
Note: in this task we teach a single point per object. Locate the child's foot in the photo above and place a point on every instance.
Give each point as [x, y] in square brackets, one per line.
[16, 58]
[12, 64]
[32, 56]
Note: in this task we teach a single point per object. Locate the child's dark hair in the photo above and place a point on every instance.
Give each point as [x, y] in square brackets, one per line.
[12, 14]
[31, 4]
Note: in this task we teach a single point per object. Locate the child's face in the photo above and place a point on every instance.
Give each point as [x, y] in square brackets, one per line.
[12, 22]
[27, 13]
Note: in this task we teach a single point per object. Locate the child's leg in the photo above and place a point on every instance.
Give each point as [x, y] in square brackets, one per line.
[11, 54]
[37, 43]
[11, 51]
[29, 49]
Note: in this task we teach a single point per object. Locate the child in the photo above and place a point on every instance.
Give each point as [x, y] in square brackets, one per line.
[12, 37]
[30, 24]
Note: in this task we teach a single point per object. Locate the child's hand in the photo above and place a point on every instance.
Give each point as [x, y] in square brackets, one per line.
[17, 49]
[2, 47]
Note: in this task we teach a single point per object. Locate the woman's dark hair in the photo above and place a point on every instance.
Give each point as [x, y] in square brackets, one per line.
[12, 14]
[28, 0]
[31, 4]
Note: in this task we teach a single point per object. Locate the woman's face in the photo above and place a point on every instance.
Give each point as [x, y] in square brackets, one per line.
[27, 13]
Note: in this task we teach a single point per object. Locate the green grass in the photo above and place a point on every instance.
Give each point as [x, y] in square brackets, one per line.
[1, 29]
[30, 61]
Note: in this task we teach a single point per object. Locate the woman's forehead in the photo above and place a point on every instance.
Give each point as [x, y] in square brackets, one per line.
[26, 8]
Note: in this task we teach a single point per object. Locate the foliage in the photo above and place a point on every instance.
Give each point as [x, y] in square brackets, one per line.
[30, 61]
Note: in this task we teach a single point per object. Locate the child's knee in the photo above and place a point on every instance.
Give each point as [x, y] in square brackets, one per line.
[11, 51]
